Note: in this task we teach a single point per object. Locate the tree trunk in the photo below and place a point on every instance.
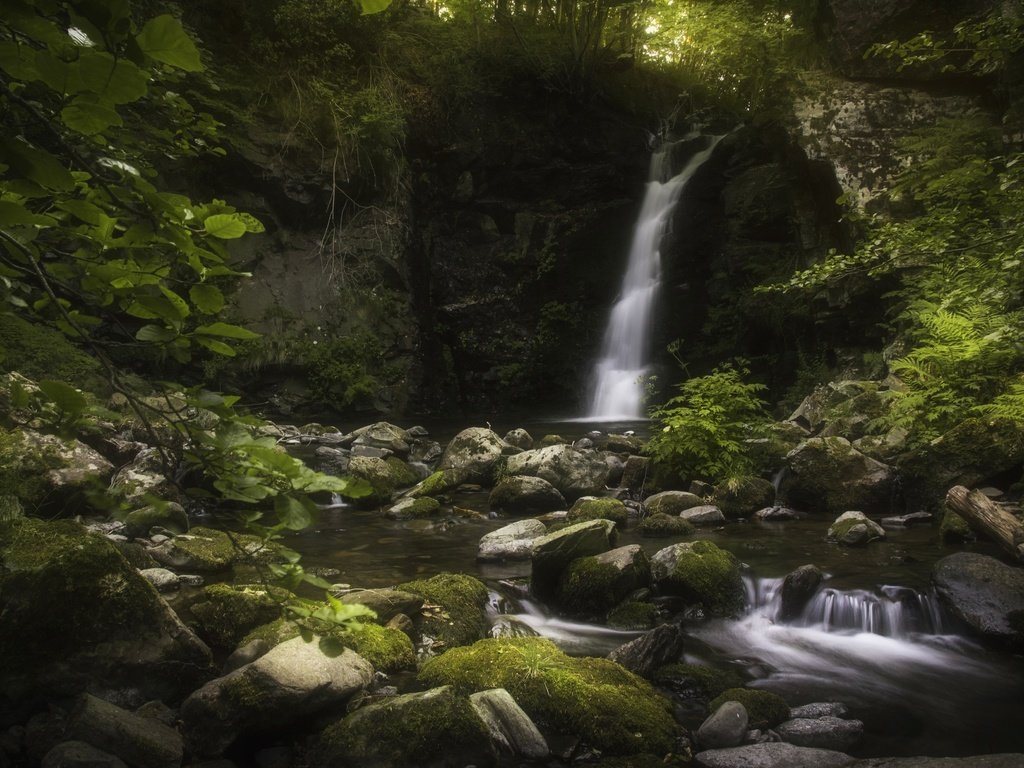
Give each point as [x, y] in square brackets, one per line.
[988, 518]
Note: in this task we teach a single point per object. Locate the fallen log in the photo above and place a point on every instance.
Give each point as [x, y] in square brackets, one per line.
[988, 518]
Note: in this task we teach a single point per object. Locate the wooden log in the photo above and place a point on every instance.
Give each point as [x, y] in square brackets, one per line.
[988, 518]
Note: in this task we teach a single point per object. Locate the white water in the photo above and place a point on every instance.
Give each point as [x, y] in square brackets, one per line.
[617, 377]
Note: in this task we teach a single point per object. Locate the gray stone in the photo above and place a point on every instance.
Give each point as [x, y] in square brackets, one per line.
[905, 521]
[634, 474]
[142, 479]
[726, 727]
[509, 728]
[1006, 760]
[706, 514]
[572, 472]
[413, 508]
[161, 578]
[656, 648]
[777, 513]
[553, 552]
[797, 590]
[984, 593]
[525, 495]
[828, 474]
[511, 626]
[771, 755]
[822, 733]
[819, 708]
[79, 754]
[512, 542]
[854, 529]
[384, 436]
[672, 502]
[142, 742]
[473, 454]
[169, 516]
[293, 680]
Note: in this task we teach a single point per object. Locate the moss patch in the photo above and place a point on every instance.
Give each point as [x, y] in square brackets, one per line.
[764, 708]
[696, 681]
[633, 615]
[43, 353]
[438, 483]
[225, 614]
[743, 496]
[609, 707]
[707, 574]
[660, 525]
[589, 587]
[599, 509]
[954, 528]
[210, 550]
[457, 617]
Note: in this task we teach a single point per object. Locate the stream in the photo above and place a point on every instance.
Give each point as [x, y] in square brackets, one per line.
[874, 637]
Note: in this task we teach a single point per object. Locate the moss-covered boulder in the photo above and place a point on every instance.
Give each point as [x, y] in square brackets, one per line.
[553, 552]
[140, 480]
[169, 516]
[598, 508]
[764, 708]
[207, 550]
[224, 614]
[743, 496]
[633, 615]
[953, 528]
[511, 542]
[574, 473]
[385, 476]
[591, 586]
[660, 525]
[454, 612]
[700, 572]
[40, 353]
[411, 509]
[474, 453]
[382, 435]
[386, 602]
[694, 681]
[48, 474]
[672, 502]
[608, 707]
[436, 484]
[524, 495]
[415, 729]
[854, 529]
[827, 474]
[77, 617]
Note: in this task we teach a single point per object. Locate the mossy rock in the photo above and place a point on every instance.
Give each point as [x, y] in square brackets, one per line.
[208, 550]
[593, 508]
[413, 729]
[700, 572]
[591, 586]
[954, 528]
[168, 515]
[764, 708]
[634, 615]
[547, 440]
[412, 509]
[385, 476]
[660, 525]
[743, 496]
[608, 707]
[696, 681]
[828, 474]
[225, 614]
[77, 616]
[458, 617]
[854, 529]
[437, 484]
[39, 352]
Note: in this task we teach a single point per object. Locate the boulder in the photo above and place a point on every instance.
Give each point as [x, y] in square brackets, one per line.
[660, 525]
[854, 529]
[127, 645]
[170, 516]
[656, 648]
[436, 484]
[408, 730]
[985, 594]
[413, 508]
[78, 754]
[474, 454]
[553, 552]
[49, 474]
[142, 479]
[726, 727]
[705, 514]
[819, 709]
[509, 728]
[207, 550]
[672, 502]
[778, 514]
[224, 614]
[828, 474]
[572, 472]
[512, 542]
[386, 602]
[634, 475]
[382, 435]
[161, 578]
[385, 476]
[591, 586]
[525, 495]
[798, 587]
[142, 742]
[598, 508]
[700, 572]
[519, 438]
[771, 755]
[294, 680]
[462, 601]
[743, 496]
[764, 708]
[1013, 760]
[821, 733]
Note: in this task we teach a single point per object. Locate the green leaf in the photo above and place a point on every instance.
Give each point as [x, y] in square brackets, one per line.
[373, 6]
[227, 330]
[226, 226]
[88, 117]
[115, 81]
[14, 214]
[64, 396]
[206, 298]
[164, 39]
[155, 333]
[18, 61]
[216, 346]
[295, 514]
[84, 210]
[39, 166]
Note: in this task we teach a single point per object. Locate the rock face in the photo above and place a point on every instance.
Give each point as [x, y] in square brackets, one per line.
[473, 454]
[984, 593]
[656, 648]
[525, 495]
[127, 645]
[827, 474]
[572, 472]
[726, 727]
[854, 529]
[772, 755]
[798, 587]
[512, 542]
[293, 680]
[822, 732]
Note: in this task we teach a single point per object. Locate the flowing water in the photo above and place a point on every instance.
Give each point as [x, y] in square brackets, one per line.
[618, 373]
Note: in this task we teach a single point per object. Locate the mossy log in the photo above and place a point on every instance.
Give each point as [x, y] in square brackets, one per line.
[986, 517]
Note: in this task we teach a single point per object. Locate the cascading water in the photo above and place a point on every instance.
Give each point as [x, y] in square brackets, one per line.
[617, 386]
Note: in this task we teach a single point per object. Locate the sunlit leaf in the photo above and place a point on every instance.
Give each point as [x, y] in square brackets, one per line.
[206, 298]
[225, 226]
[164, 39]
[227, 330]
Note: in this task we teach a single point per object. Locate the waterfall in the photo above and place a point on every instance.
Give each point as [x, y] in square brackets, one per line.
[616, 379]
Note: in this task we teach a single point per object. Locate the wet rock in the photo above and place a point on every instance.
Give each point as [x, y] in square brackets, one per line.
[525, 495]
[771, 755]
[474, 453]
[828, 474]
[572, 472]
[905, 521]
[591, 586]
[79, 754]
[726, 727]
[520, 438]
[854, 529]
[700, 572]
[207, 550]
[161, 578]
[142, 479]
[598, 508]
[170, 516]
[386, 602]
[512, 542]
[984, 593]
[634, 474]
[706, 514]
[385, 476]
[672, 502]
[798, 587]
[140, 741]
[509, 728]
[455, 607]
[410, 509]
[510, 626]
[664, 526]
[628, 444]
[743, 496]
[822, 733]
[778, 514]
[333, 461]
[656, 648]
[553, 552]
[293, 680]
[384, 436]
[975, 761]
[819, 709]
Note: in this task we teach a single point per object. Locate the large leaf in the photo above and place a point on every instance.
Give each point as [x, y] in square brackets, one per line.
[13, 214]
[227, 330]
[89, 117]
[226, 226]
[36, 164]
[206, 298]
[64, 396]
[295, 514]
[115, 81]
[164, 39]
[373, 6]
[155, 333]
[216, 346]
